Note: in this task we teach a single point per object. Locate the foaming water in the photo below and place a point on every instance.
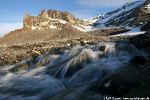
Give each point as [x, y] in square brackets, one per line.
[29, 85]
[51, 74]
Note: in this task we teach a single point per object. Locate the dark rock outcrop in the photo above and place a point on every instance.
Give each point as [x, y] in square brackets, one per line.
[141, 41]
[146, 27]
[131, 81]
[138, 60]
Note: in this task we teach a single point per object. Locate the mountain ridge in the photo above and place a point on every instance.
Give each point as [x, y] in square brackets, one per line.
[130, 14]
[122, 16]
[51, 19]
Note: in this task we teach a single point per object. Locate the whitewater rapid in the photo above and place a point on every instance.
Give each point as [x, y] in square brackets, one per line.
[50, 74]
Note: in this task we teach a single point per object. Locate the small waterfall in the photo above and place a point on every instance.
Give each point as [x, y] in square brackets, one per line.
[78, 62]
[48, 74]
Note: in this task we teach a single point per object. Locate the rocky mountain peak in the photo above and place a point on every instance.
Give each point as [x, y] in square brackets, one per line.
[58, 15]
[51, 19]
[44, 14]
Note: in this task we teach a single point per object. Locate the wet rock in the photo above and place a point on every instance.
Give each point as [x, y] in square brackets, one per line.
[76, 60]
[138, 60]
[87, 75]
[19, 67]
[141, 91]
[102, 48]
[22, 65]
[83, 42]
[147, 34]
[146, 27]
[141, 41]
[57, 50]
[126, 82]
[77, 93]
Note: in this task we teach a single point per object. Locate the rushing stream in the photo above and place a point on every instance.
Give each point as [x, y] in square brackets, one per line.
[48, 75]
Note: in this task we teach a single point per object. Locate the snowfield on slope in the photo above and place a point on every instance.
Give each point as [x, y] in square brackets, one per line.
[102, 19]
[129, 34]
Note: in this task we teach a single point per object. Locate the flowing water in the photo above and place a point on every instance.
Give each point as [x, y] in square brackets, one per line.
[79, 66]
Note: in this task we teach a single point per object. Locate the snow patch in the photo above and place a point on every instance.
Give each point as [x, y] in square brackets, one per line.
[62, 21]
[33, 28]
[129, 34]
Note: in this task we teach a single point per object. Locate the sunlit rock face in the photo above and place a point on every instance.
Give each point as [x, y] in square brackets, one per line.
[51, 19]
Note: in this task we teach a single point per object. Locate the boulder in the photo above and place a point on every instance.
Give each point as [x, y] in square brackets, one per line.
[77, 93]
[138, 60]
[102, 48]
[141, 91]
[127, 82]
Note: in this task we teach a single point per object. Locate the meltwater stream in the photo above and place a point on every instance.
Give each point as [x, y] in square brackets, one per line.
[49, 75]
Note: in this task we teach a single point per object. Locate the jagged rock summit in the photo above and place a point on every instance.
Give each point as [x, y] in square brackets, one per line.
[52, 19]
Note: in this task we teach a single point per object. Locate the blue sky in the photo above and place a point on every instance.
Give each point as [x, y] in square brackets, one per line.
[12, 11]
